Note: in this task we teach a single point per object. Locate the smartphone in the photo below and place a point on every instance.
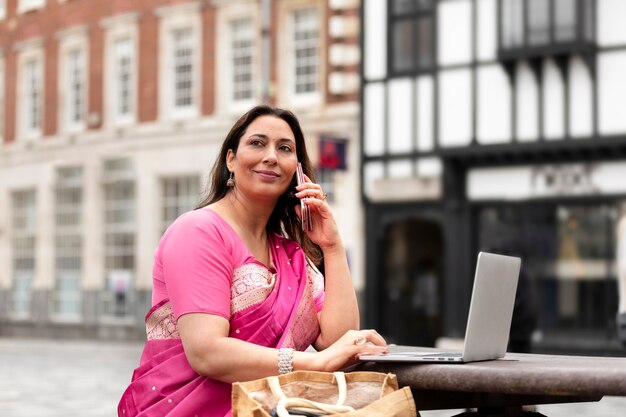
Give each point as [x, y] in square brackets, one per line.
[305, 213]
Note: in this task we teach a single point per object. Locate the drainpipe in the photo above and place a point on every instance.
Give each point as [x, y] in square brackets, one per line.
[266, 49]
[621, 278]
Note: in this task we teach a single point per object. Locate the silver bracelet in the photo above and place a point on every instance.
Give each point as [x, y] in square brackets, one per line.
[285, 360]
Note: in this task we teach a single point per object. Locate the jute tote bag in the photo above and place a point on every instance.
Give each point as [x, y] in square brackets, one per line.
[353, 394]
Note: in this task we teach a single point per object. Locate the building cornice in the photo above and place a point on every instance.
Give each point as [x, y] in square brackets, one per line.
[28, 44]
[119, 20]
[74, 31]
[224, 3]
[166, 11]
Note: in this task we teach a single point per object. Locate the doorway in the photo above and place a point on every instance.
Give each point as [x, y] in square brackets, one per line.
[410, 288]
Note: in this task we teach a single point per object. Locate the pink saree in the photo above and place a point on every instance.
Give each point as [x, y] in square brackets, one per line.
[281, 315]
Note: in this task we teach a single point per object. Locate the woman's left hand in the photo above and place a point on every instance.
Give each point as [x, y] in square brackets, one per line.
[347, 349]
[324, 232]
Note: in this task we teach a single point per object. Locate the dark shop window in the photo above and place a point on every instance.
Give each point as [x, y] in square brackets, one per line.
[412, 36]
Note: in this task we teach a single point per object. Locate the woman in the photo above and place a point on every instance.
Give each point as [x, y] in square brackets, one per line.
[236, 295]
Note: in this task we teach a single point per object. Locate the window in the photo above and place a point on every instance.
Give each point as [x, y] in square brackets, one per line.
[23, 244]
[242, 49]
[72, 84]
[179, 34]
[32, 89]
[239, 78]
[548, 22]
[123, 91]
[119, 238]
[3, 9]
[538, 22]
[183, 52]
[412, 36]
[326, 179]
[565, 20]
[179, 195]
[76, 89]
[66, 297]
[305, 51]
[121, 69]
[512, 23]
[569, 257]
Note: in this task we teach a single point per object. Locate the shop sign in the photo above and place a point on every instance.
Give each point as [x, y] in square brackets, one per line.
[547, 180]
[332, 153]
[564, 179]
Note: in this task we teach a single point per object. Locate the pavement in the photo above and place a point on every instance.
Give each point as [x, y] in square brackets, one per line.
[52, 378]
[55, 378]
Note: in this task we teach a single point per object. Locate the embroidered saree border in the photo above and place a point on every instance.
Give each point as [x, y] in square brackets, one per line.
[252, 283]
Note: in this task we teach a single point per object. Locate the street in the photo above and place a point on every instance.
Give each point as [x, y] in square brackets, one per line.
[53, 378]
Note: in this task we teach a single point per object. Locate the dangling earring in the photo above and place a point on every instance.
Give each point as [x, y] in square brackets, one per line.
[230, 182]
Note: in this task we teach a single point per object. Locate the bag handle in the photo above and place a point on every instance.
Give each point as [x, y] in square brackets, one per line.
[303, 404]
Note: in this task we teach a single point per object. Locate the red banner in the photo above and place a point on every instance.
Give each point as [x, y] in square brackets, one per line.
[332, 153]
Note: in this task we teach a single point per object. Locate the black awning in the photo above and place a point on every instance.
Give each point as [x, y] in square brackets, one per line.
[545, 151]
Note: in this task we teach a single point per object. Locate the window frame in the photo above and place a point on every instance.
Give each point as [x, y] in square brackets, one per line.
[72, 42]
[72, 230]
[119, 177]
[307, 96]
[516, 38]
[173, 19]
[393, 20]
[178, 203]
[327, 180]
[287, 93]
[232, 82]
[25, 129]
[228, 12]
[123, 27]
[29, 231]
[182, 67]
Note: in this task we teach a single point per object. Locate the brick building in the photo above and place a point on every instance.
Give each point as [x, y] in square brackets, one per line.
[111, 114]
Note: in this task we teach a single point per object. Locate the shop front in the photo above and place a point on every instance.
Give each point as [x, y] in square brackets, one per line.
[560, 217]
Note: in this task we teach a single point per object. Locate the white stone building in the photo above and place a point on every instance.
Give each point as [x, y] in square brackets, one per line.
[111, 115]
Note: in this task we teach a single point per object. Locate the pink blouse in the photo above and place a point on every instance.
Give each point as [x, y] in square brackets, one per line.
[203, 266]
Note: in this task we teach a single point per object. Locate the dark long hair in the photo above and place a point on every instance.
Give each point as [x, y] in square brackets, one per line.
[283, 219]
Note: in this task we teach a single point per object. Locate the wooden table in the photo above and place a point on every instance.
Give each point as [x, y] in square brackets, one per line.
[502, 387]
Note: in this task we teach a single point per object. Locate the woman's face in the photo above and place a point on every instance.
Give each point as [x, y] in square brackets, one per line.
[266, 158]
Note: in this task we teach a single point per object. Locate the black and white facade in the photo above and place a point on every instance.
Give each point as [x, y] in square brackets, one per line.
[493, 125]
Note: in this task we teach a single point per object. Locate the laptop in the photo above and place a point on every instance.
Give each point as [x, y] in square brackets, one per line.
[488, 321]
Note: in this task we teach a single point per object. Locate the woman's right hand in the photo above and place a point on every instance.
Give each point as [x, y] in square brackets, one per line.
[347, 349]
